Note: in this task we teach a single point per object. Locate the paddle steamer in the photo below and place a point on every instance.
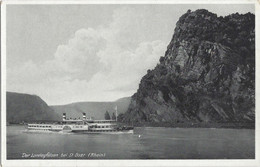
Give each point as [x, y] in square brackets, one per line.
[84, 125]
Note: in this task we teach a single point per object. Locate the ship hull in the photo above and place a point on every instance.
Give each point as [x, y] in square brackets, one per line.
[76, 129]
[82, 131]
[106, 132]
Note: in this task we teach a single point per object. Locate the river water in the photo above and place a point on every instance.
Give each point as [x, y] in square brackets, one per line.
[145, 143]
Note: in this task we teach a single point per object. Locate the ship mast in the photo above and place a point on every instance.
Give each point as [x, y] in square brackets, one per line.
[116, 113]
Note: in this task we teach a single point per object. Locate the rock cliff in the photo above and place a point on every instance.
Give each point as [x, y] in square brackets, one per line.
[206, 75]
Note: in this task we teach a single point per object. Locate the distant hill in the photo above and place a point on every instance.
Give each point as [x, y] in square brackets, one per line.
[25, 107]
[92, 109]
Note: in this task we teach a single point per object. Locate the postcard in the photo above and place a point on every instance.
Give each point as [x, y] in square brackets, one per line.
[129, 83]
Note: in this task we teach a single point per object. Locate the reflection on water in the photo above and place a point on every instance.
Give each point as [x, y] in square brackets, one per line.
[145, 143]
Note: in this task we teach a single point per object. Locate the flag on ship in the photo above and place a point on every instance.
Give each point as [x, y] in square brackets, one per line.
[116, 112]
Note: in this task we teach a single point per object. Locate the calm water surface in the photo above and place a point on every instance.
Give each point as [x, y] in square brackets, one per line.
[153, 143]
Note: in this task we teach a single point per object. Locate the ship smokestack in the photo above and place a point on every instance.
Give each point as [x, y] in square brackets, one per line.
[64, 116]
[84, 116]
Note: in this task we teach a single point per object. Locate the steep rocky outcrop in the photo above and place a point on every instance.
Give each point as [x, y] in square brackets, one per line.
[206, 75]
[25, 107]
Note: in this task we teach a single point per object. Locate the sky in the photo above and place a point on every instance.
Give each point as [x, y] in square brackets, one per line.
[72, 53]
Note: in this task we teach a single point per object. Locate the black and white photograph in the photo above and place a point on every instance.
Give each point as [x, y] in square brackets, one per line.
[84, 82]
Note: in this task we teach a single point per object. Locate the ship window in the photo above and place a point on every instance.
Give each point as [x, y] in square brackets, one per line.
[102, 126]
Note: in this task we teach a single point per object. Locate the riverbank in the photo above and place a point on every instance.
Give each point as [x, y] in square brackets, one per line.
[233, 125]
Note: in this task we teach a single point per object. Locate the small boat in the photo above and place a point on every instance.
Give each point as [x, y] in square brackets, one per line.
[82, 126]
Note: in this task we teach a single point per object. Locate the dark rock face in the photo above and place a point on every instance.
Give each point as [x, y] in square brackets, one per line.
[206, 75]
[25, 107]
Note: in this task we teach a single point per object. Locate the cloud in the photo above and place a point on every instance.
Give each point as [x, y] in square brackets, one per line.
[105, 63]
[127, 68]
[79, 57]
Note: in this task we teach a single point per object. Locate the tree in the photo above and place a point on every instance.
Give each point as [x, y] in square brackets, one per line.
[113, 116]
[162, 59]
[107, 116]
[120, 117]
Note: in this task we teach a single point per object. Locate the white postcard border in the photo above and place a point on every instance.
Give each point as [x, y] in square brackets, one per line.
[230, 162]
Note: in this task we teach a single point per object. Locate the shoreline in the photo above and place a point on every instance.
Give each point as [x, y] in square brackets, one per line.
[182, 125]
[235, 125]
